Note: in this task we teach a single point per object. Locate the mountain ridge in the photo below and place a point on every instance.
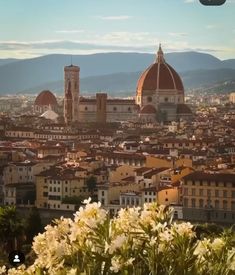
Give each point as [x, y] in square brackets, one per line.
[40, 71]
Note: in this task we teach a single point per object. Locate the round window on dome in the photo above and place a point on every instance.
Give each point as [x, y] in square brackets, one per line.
[149, 99]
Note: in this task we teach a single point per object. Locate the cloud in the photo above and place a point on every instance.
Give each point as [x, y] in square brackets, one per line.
[178, 34]
[69, 31]
[189, 1]
[118, 17]
[136, 42]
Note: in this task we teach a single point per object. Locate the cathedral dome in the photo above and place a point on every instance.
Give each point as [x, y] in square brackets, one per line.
[46, 98]
[159, 76]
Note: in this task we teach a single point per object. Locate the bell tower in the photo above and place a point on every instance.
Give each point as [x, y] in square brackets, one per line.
[71, 92]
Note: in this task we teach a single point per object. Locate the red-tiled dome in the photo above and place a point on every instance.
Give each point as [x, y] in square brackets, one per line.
[159, 76]
[46, 98]
[148, 109]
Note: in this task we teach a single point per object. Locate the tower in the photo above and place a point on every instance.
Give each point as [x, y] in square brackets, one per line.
[68, 104]
[101, 102]
[71, 91]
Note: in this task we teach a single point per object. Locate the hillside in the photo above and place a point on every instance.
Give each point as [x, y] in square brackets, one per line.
[114, 72]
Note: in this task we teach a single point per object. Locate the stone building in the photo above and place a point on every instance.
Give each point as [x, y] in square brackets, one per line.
[71, 88]
[159, 97]
[160, 93]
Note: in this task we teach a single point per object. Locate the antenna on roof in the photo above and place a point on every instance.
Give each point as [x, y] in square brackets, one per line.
[71, 60]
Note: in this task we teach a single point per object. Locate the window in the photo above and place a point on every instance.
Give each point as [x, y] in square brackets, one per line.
[225, 205]
[114, 109]
[149, 99]
[216, 193]
[66, 189]
[193, 203]
[166, 99]
[225, 194]
[103, 193]
[58, 189]
[185, 202]
[216, 204]
[129, 109]
[193, 191]
[233, 205]
[233, 194]
[201, 203]
[86, 109]
[201, 192]
[186, 191]
[208, 192]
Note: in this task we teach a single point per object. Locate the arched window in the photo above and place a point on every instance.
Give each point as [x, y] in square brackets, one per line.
[149, 99]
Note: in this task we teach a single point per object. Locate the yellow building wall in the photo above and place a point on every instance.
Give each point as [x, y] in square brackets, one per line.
[40, 188]
[114, 191]
[121, 172]
[168, 196]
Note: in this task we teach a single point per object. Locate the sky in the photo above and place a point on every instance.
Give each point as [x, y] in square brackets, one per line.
[31, 28]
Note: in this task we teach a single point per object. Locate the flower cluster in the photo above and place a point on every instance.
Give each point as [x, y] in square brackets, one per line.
[136, 241]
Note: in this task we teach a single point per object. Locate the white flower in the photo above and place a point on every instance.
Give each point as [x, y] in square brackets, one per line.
[2, 269]
[116, 265]
[166, 236]
[87, 201]
[202, 247]
[117, 243]
[217, 244]
[183, 229]
[72, 271]
[129, 262]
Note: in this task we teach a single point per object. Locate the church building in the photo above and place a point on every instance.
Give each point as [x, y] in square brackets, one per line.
[159, 97]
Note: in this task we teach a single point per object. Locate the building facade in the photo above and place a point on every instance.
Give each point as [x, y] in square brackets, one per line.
[159, 97]
[209, 197]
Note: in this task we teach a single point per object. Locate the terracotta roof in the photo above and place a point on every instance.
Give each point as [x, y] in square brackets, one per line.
[217, 177]
[148, 109]
[46, 98]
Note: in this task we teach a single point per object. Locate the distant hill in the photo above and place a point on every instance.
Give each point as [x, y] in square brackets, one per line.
[114, 72]
[7, 61]
[121, 84]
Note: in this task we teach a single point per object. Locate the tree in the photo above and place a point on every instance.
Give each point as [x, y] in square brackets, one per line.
[91, 183]
[11, 228]
[33, 224]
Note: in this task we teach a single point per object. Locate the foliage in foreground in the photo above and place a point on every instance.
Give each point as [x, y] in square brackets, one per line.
[137, 242]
